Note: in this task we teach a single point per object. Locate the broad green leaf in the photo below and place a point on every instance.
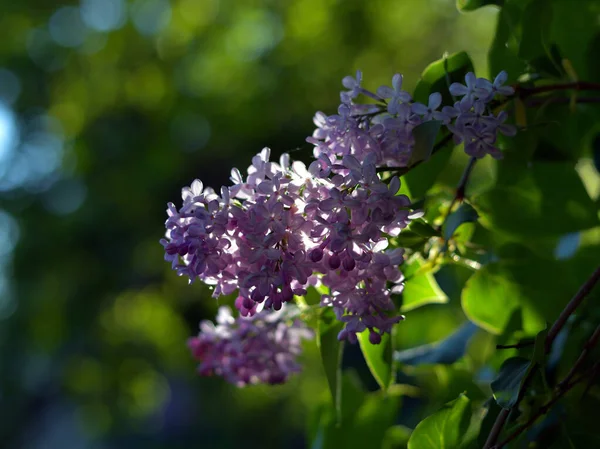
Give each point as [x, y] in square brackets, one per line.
[489, 298]
[507, 384]
[424, 229]
[421, 288]
[445, 428]
[464, 214]
[378, 358]
[438, 75]
[410, 239]
[422, 177]
[425, 136]
[471, 5]
[331, 350]
[366, 417]
[537, 21]
[503, 52]
[575, 31]
[543, 200]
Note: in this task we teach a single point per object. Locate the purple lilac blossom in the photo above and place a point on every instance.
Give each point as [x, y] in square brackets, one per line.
[284, 227]
[258, 349]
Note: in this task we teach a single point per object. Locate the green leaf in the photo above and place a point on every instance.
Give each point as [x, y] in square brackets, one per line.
[378, 358]
[438, 76]
[507, 384]
[489, 298]
[492, 411]
[396, 437]
[537, 21]
[471, 5]
[503, 52]
[424, 229]
[445, 428]
[464, 214]
[543, 200]
[331, 355]
[425, 136]
[420, 178]
[421, 288]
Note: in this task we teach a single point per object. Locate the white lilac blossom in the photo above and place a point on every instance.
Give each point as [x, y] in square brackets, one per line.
[284, 227]
[258, 349]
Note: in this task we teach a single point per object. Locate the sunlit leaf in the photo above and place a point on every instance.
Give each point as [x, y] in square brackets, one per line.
[438, 76]
[378, 358]
[445, 428]
[421, 288]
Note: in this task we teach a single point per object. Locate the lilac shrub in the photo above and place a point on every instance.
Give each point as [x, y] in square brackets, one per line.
[284, 227]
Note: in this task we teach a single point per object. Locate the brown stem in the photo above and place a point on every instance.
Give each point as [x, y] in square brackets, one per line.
[460, 189]
[586, 349]
[497, 428]
[571, 307]
[524, 92]
[534, 102]
[564, 386]
[541, 412]
[522, 344]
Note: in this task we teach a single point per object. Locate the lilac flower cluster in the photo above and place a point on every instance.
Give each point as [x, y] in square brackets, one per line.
[284, 227]
[258, 349]
[385, 128]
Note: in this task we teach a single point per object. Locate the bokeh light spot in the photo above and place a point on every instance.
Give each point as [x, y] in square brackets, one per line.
[10, 86]
[66, 27]
[103, 15]
[151, 16]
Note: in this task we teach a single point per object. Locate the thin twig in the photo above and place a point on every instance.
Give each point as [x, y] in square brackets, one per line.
[540, 412]
[524, 92]
[571, 307]
[584, 290]
[589, 345]
[460, 189]
[497, 428]
[534, 102]
[522, 344]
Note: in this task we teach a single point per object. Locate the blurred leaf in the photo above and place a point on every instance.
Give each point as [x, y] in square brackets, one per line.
[423, 176]
[507, 384]
[438, 76]
[471, 5]
[489, 298]
[378, 358]
[424, 229]
[537, 19]
[425, 136]
[464, 214]
[421, 288]
[492, 411]
[396, 437]
[503, 52]
[542, 200]
[446, 351]
[445, 428]
[331, 350]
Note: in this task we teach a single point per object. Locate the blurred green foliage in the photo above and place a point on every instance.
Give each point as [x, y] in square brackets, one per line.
[107, 109]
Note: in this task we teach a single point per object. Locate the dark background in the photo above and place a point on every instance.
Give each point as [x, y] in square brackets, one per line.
[107, 109]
